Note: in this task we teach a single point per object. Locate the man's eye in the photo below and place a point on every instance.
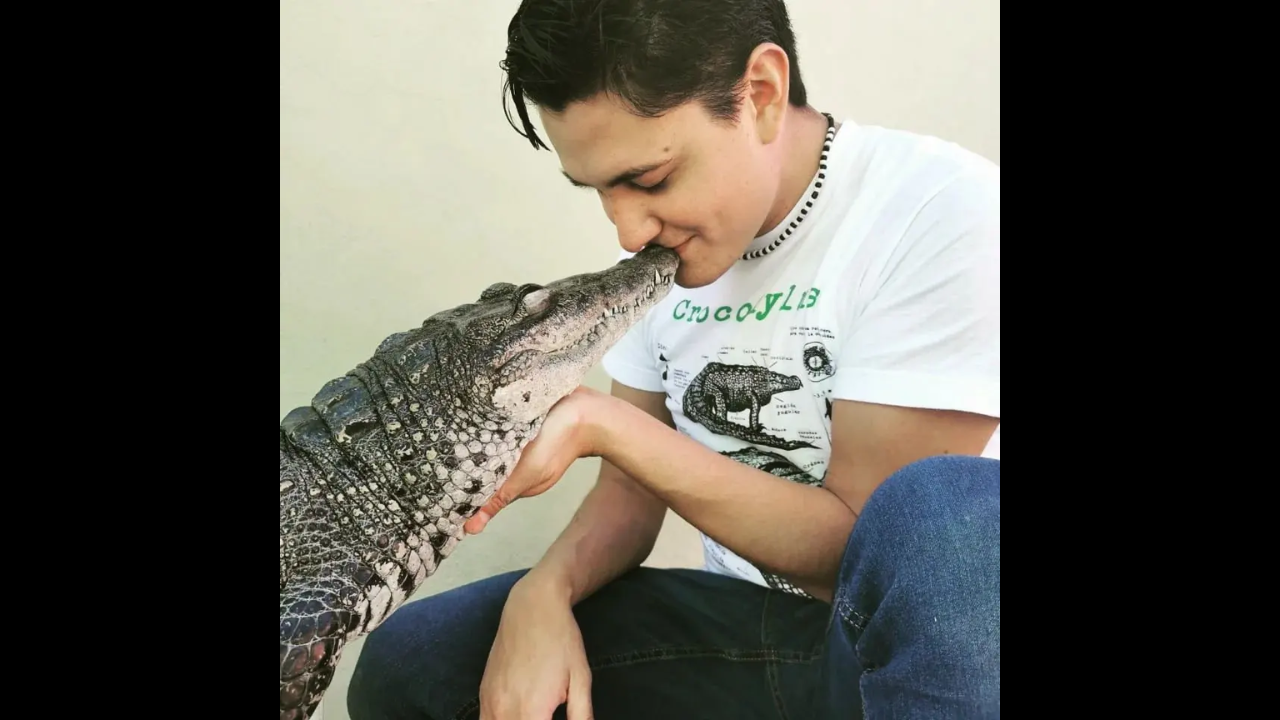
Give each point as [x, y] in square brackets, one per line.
[652, 188]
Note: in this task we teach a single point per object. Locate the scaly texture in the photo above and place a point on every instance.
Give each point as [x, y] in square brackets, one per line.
[380, 472]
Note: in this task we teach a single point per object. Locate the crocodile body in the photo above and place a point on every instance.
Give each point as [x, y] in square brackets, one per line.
[720, 389]
[381, 470]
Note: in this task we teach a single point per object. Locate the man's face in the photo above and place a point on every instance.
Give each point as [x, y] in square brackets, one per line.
[682, 180]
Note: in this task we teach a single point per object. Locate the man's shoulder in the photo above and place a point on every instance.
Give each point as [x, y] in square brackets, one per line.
[898, 170]
[890, 149]
[897, 184]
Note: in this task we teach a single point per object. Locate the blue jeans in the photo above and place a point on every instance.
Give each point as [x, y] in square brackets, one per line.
[913, 630]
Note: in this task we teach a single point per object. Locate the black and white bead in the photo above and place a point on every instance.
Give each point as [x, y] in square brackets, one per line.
[808, 204]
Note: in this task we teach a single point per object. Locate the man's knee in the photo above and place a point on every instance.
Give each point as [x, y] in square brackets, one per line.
[427, 659]
[959, 495]
[932, 513]
[920, 579]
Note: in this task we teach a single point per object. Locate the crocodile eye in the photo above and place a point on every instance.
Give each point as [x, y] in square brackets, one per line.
[534, 299]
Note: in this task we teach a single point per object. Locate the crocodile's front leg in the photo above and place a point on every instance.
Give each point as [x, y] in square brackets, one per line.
[718, 405]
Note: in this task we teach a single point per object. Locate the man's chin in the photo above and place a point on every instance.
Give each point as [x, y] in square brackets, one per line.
[691, 276]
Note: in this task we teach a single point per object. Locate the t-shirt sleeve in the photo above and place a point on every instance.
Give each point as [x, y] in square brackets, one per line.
[929, 336]
[630, 362]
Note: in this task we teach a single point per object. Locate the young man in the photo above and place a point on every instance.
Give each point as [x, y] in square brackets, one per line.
[814, 397]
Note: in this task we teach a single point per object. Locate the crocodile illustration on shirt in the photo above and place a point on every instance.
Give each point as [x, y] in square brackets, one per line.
[721, 389]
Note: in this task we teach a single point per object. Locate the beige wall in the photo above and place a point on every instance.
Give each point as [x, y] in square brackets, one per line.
[404, 191]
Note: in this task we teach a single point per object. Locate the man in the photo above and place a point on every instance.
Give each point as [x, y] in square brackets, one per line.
[814, 397]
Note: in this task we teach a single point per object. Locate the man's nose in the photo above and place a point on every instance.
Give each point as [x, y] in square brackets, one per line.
[636, 224]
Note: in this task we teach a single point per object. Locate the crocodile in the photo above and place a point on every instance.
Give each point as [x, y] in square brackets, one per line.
[381, 470]
[720, 389]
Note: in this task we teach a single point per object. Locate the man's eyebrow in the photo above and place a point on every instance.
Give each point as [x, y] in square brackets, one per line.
[622, 177]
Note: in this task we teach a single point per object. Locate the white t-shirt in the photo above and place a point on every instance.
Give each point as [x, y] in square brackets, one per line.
[887, 292]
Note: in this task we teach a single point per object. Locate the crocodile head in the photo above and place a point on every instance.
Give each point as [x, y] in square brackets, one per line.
[513, 353]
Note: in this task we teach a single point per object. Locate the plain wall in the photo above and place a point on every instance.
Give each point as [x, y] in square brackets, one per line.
[404, 191]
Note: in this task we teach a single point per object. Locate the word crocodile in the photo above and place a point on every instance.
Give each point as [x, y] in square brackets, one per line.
[380, 472]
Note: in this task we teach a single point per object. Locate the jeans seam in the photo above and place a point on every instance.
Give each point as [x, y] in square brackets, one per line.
[471, 706]
[770, 669]
[775, 689]
[858, 622]
[855, 619]
[764, 620]
[683, 652]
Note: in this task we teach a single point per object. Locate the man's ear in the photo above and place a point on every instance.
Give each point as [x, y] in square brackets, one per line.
[768, 79]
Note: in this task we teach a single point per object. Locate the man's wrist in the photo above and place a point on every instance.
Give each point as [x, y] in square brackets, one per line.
[602, 421]
[543, 583]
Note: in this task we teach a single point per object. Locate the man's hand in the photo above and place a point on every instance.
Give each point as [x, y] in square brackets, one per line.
[566, 435]
[537, 661]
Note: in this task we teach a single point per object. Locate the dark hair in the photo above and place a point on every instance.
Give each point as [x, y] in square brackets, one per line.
[655, 55]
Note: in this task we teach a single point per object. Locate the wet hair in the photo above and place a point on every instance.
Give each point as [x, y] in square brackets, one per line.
[655, 55]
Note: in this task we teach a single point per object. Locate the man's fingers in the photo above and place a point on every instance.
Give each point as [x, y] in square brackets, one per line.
[527, 479]
[510, 491]
[477, 523]
[578, 706]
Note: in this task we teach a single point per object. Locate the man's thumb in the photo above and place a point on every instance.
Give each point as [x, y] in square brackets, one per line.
[482, 517]
[476, 523]
[579, 702]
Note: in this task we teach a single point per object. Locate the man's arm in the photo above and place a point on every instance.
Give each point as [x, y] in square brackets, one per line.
[616, 526]
[749, 510]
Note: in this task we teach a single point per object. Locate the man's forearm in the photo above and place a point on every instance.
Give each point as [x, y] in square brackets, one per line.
[745, 509]
[612, 532]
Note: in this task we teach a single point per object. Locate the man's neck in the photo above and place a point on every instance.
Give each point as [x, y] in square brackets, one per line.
[805, 134]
